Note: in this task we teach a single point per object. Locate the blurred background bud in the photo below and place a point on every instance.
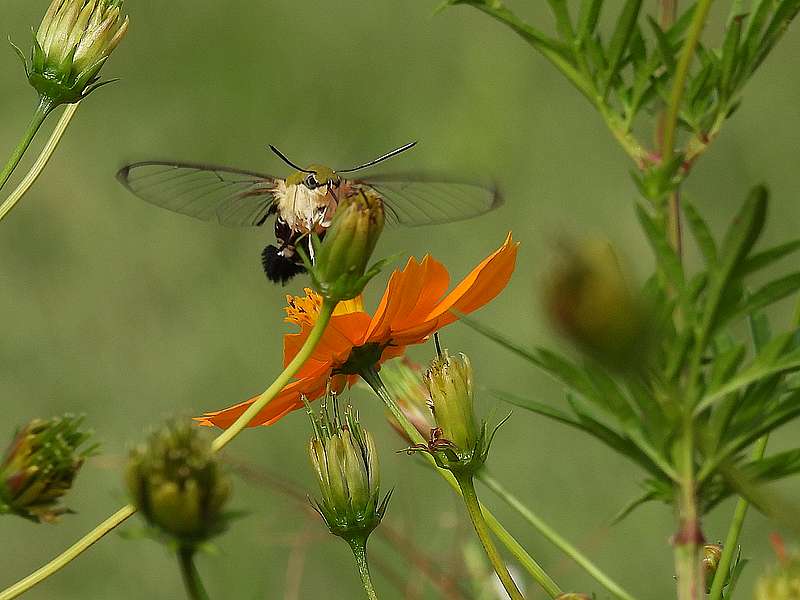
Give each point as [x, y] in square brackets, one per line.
[573, 596]
[712, 553]
[73, 42]
[782, 583]
[339, 271]
[590, 300]
[345, 461]
[40, 466]
[405, 384]
[178, 484]
[449, 382]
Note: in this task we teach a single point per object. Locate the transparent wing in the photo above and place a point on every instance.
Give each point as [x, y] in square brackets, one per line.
[219, 194]
[421, 202]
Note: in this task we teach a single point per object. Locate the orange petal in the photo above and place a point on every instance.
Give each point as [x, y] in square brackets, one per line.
[485, 282]
[410, 295]
[337, 342]
[287, 400]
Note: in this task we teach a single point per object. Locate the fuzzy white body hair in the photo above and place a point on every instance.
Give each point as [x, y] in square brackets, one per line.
[304, 210]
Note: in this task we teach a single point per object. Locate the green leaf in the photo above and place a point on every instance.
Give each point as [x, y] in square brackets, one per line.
[667, 260]
[769, 362]
[730, 50]
[760, 330]
[539, 408]
[759, 11]
[701, 232]
[786, 12]
[770, 293]
[760, 260]
[739, 240]
[665, 48]
[587, 20]
[563, 21]
[620, 39]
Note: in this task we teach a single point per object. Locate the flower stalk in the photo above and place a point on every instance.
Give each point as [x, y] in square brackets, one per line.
[41, 162]
[195, 590]
[39, 115]
[467, 486]
[359, 546]
[371, 377]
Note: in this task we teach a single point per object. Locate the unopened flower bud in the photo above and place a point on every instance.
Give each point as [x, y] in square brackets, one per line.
[712, 554]
[573, 596]
[781, 584]
[40, 466]
[590, 301]
[345, 461]
[339, 269]
[178, 485]
[73, 42]
[449, 382]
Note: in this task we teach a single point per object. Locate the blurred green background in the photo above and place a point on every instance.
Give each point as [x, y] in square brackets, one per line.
[128, 313]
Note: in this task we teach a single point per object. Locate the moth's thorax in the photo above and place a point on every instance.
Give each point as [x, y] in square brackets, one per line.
[305, 210]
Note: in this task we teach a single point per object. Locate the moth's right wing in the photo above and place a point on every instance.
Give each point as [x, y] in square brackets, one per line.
[231, 197]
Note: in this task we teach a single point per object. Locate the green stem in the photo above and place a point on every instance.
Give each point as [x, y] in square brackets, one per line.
[688, 540]
[681, 75]
[553, 537]
[63, 559]
[191, 578]
[39, 115]
[41, 162]
[359, 547]
[735, 529]
[482, 530]
[514, 547]
[305, 352]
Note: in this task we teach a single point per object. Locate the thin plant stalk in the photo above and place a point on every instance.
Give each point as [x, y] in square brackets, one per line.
[735, 529]
[41, 162]
[191, 577]
[39, 115]
[359, 547]
[119, 517]
[482, 530]
[535, 570]
[688, 566]
[63, 559]
[552, 536]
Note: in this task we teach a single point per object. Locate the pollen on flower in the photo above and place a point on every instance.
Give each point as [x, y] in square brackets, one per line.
[303, 310]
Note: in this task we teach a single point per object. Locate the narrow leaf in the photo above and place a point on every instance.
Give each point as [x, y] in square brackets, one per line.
[665, 48]
[588, 18]
[668, 261]
[620, 38]
[701, 232]
[563, 21]
[730, 51]
[758, 261]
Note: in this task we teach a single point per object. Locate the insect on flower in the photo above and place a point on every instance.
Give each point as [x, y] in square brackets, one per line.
[303, 203]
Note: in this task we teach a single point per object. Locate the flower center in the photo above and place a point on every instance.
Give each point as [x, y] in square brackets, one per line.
[304, 310]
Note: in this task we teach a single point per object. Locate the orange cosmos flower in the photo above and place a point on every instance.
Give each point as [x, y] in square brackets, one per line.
[414, 305]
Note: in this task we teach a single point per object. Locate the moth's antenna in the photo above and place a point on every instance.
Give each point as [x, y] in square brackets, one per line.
[282, 156]
[388, 155]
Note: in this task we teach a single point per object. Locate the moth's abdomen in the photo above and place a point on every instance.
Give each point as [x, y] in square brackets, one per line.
[278, 267]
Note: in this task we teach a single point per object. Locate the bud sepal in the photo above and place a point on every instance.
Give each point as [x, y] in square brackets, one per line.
[40, 467]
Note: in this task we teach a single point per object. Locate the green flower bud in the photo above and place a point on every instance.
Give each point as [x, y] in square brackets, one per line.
[339, 269]
[73, 42]
[590, 301]
[449, 382]
[712, 554]
[178, 485]
[573, 596]
[781, 584]
[40, 465]
[345, 461]
[456, 441]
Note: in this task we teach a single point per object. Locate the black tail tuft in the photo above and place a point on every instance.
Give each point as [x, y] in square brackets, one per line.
[279, 268]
